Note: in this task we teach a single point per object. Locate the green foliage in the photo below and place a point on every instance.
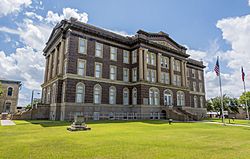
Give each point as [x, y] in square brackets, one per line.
[1, 90]
[124, 139]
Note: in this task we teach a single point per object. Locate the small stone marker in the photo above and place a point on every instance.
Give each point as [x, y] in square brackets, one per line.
[78, 124]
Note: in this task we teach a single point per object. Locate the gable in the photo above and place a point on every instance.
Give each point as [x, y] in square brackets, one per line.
[165, 43]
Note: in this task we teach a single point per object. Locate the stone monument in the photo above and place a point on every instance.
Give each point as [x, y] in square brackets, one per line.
[78, 124]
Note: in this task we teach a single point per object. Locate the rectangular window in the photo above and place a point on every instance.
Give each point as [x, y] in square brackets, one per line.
[193, 73]
[113, 72]
[153, 59]
[148, 58]
[65, 67]
[98, 70]
[200, 87]
[81, 67]
[134, 72]
[151, 76]
[125, 56]
[178, 80]
[188, 83]
[82, 46]
[98, 49]
[134, 56]
[113, 53]
[125, 74]
[175, 80]
[200, 75]
[165, 77]
[187, 72]
[194, 86]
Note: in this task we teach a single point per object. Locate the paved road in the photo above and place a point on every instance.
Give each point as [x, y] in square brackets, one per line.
[228, 124]
[7, 123]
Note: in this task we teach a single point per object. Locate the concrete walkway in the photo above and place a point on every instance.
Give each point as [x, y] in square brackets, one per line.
[7, 123]
[238, 125]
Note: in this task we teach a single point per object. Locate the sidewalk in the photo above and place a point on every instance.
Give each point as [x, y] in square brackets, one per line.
[218, 123]
[7, 123]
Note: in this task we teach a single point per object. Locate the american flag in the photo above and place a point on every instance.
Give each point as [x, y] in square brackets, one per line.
[242, 74]
[217, 67]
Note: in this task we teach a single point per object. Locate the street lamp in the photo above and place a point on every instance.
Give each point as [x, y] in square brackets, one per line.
[32, 97]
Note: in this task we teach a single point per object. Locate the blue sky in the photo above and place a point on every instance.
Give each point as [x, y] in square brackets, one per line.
[208, 28]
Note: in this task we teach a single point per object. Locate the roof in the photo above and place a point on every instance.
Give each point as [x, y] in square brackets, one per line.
[10, 81]
[196, 63]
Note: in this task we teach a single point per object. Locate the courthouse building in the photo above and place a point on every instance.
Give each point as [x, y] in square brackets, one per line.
[98, 73]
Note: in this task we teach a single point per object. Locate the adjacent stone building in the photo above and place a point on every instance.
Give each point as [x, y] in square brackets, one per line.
[9, 95]
[101, 74]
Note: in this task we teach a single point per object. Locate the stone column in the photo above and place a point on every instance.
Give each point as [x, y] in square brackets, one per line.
[50, 66]
[145, 66]
[172, 70]
[140, 64]
[159, 67]
[61, 55]
[46, 69]
[183, 73]
[55, 61]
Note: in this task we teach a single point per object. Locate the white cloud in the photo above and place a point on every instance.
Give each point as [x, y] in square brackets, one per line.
[12, 6]
[249, 2]
[33, 15]
[67, 13]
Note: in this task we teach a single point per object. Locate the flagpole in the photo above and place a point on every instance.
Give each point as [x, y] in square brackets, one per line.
[246, 99]
[221, 96]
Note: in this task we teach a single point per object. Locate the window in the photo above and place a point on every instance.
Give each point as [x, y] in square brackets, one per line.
[200, 75]
[193, 73]
[98, 70]
[151, 76]
[200, 87]
[113, 53]
[125, 96]
[10, 91]
[63, 92]
[98, 49]
[188, 83]
[187, 72]
[113, 72]
[168, 97]
[153, 96]
[134, 56]
[44, 95]
[165, 77]
[134, 96]
[151, 58]
[112, 95]
[180, 98]
[81, 67]
[65, 67]
[82, 46]
[201, 102]
[177, 80]
[134, 74]
[194, 86]
[80, 92]
[177, 65]
[97, 94]
[125, 74]
[53, 93]
[125, 56]
[164, 62]
[195, 102]
[48, 96]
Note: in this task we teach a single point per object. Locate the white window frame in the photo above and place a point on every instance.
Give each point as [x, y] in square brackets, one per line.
[81, 68]
[134, 56]
[84, 49]
[201, 102]
[112, 95]
[125, 78]
[200, 87]
[113, 74]
[134, 74]
[113, 53]
[194, 87]
[80, 93]
[195, 102]
[97, 63]
[96, 94]
[180, 98]
[165, 78]
[126, 56]
[168, 97]
[134, 96]
[154, 96]
[98, 49]
[126, 98]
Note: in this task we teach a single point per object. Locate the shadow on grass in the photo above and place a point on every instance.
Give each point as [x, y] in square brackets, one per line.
[51, 123]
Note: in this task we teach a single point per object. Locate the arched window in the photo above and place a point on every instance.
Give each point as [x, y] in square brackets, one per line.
[10, 91]
[168, 97]
[153, 96]
[134, 94]
[48, 96]
[112, 95]
[201, 102]
[180, 98]
[125, 96]
[195, 102]
[80, 92]
[97, 94]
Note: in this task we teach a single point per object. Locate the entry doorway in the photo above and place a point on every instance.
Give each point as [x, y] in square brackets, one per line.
[163, 114]
[7, 107]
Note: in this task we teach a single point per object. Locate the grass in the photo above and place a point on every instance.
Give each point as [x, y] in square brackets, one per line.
[118, 139]
[236, 121]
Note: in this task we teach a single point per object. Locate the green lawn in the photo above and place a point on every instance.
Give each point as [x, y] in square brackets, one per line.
[133, 140]
[236, 121]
